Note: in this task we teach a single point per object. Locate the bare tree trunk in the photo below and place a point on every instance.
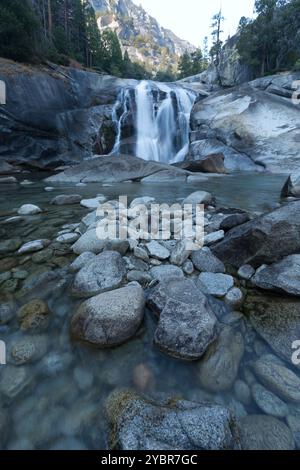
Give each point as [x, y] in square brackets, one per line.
[50, 21]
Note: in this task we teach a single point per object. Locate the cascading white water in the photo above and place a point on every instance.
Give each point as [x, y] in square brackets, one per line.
[161, 120]
[123, 101]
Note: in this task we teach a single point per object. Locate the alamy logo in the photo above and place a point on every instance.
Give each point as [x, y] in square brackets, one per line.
[2, 353]
[2, 92]
[154, 222]
[296, 354]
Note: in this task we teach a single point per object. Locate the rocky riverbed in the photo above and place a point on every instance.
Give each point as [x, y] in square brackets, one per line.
[147, 345]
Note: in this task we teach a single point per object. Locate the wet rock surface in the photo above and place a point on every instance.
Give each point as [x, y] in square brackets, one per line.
[263, 240]
[140, 424]
[277, 320]
[219, 367]
[111, 318]
[283, 276]
[185, 331]
[104, 273]
[260, 432]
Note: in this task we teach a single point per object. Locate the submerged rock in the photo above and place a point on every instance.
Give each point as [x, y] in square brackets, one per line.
[294, 425]
[141, 424]
[263, 240]
[8, 246]
[283, 276]
[277, 320]
[34, 316]
[34, 246]
[29, 349]
[279, 379]
[219, 367]
[269, 403]
[260, 432]
[66, 200]
[106, 272]
[14, 380]
[143, 377]
[111, 318]
[4, 428]
[7, 311]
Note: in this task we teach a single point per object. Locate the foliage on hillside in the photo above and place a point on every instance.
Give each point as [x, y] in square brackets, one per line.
[271, 42]
[60, 31]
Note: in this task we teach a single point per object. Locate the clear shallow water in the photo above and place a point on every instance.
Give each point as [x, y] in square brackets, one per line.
[63, 406]
[250, 191]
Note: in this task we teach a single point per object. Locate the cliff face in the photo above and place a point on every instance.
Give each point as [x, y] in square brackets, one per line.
[140, 34]
[56, 116]
[255, 125]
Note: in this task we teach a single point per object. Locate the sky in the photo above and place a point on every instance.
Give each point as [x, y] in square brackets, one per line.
[191, 19]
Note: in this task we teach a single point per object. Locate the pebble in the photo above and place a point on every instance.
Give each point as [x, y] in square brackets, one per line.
[29, 209]
[214, 237]
[33, 246]
[246, 272]
[67, 238]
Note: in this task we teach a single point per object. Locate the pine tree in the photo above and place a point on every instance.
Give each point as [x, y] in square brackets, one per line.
[18, 25]
[216, 49]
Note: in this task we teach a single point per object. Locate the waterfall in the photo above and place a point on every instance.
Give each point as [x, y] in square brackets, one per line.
[159, 115]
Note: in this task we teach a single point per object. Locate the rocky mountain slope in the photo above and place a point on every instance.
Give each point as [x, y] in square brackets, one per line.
[140, 34]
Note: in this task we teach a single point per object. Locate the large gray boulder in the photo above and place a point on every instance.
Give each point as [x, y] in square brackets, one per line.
[263, 240]
[141, 424]
[256, 128]
[181, 290]
[187, 323]
[111, 318]
[104, 273]
[283, 276]
[185, 331]
[111, 169]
